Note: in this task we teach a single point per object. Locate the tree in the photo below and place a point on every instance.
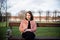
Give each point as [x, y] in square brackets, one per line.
[54, 14]
[3, 6]
[0, 17]
[40, 15]
[7, 15]
[59, 15]
[47, 16]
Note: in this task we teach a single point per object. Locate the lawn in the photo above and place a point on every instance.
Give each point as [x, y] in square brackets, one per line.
[3, 24]
[41, 31]
[3, 33]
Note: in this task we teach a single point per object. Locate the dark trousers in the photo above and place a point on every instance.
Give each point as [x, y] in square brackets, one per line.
[28, 35]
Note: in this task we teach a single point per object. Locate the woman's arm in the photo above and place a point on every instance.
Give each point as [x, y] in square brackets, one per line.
[21, 28]
[34, 26]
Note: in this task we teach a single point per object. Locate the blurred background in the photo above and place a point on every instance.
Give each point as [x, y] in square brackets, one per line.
[46, 14]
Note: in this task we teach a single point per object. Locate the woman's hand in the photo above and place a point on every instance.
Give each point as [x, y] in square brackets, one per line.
[28, 30]
[25, 28]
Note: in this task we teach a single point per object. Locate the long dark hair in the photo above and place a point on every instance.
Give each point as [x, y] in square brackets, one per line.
[30, 14]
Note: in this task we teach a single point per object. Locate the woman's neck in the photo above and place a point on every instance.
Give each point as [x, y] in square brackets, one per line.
[28, 19]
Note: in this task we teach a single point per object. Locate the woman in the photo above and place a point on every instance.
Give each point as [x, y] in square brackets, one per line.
[28, 27]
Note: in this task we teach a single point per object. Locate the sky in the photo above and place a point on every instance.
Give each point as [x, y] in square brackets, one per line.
[15, 6]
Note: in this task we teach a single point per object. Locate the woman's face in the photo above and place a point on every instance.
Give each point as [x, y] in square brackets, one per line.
[28, 16]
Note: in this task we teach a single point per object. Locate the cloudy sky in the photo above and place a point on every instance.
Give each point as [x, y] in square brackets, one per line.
[14, 6]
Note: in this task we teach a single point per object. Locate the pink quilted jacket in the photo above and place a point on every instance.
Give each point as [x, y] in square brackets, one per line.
[24, 24]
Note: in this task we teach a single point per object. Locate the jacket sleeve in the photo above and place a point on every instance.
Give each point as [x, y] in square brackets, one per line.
[21, 27]
[34, 27]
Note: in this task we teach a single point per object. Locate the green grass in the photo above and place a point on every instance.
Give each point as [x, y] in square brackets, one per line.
[41, 31]
[3, 24]
[15, 31]
[3, 33]
[48, 31]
